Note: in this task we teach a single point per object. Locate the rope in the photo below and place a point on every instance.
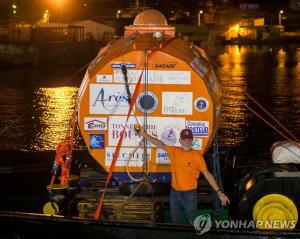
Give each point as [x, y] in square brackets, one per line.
[127, 166]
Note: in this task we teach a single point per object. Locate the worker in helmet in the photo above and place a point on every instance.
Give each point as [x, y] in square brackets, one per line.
[186, 166]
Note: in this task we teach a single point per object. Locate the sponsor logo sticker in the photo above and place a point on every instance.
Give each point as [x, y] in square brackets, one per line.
[162, 157]
[104, 78]
[119, 65]
[165, 128]
[97, 141]
[109, 99]
[199, 128]
[95, 124]
[170, 135]
[155, 77]
[168, 65]
[136, 158]
[201, 104]
[197, 143]
[177, 103]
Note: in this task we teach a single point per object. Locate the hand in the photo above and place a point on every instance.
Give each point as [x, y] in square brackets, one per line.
[140, 130]
[223, 198]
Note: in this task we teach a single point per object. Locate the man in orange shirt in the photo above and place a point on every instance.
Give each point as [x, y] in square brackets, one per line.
[186, 165]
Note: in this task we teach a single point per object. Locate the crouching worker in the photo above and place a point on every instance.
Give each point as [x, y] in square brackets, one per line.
[186, 165]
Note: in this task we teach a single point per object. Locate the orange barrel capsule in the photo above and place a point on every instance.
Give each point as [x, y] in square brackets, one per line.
[178, 89]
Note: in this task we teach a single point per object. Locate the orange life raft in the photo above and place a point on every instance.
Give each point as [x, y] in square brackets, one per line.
[178, 89]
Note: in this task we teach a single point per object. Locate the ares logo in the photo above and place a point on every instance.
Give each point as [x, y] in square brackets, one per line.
[170, 65]
[118, 97]
[108, 99]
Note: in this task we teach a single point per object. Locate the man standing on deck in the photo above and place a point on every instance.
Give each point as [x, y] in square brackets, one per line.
[186, 165]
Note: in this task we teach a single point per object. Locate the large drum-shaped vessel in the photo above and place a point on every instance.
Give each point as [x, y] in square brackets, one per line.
[175, 88]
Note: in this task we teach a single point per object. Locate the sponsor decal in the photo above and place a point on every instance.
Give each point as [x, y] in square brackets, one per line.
[97, 141]
[169, 65]
[165, 128]
[117, 124]
[119, 65]
[162, 157]
[170, 135]
[104, 78]
[155, 77]
[95, 124]
[136, 159]
[109, 99]
[201, 104]
[147, 102]
[177, 103]
[197, 143]
[199, 128]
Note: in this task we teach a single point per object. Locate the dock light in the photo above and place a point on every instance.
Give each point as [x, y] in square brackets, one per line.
[279, 17]
[199, 17]
[118, 13]
[46, 16]
[237, 27]
[14, 8]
